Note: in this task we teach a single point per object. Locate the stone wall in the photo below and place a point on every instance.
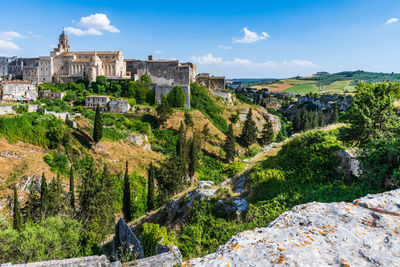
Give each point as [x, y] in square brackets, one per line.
[92, 261]
[125, 241]
[170, 258]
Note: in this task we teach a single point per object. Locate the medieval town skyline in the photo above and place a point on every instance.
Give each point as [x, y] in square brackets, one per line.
[265, 39]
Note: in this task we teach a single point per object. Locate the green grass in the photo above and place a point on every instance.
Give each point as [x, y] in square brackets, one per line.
[339, 87]
[302, 88]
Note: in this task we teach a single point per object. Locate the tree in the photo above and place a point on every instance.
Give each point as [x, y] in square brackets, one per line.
[321, 119]
[249, 131]
[32, 205]
[193, 157]
[297, 121]
[335, 114]
[150, 188]
[126, 201]
[181, 152]
[163, 111]
[87, 195]
[44, 198]
[188, 119]
[98, 126]
[71, 189]
[145, 78]
[205, 133]
[229, 146]
[267, 134]
[372, 112]
[17, 218]
[314, 119]
[176, 97]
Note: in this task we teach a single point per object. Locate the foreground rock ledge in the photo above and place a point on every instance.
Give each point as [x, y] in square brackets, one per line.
[365, 232]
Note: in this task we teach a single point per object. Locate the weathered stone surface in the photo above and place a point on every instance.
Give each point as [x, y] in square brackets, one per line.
[167, 259]
[363, 233]
[92, 261]
[140, 141]
[240, 184]
[349, 162]
[125, 242]
[241, 204]
[203, 184]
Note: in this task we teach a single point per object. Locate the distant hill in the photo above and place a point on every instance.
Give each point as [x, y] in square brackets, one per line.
[342, 82]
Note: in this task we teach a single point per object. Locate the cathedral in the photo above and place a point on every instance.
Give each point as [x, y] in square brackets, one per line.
[65, 66]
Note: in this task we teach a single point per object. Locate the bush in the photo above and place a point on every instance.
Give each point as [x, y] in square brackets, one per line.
[58, 163]
[176, 97]
[20, 109]
[51, 239]
[234, 168]
[153, 234]
[211, 170]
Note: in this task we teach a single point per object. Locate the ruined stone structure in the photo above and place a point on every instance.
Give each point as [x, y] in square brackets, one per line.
[165, 74]
[114, 106]
[4, 65]
[49, 94]
[18, 91]
[92, 102]
[65, 66]
[215, 83]
[365, 232]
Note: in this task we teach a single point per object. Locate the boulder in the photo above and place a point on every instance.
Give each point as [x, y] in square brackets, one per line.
[241, 205]
[140, 141]
[365, 232]
[125, 241]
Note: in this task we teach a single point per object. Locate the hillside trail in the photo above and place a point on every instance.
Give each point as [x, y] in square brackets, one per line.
[267, 151]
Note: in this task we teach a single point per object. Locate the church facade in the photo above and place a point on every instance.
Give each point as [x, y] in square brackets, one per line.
[65, 66]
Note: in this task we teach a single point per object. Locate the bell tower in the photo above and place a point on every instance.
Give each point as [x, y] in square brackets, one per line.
[63, 45]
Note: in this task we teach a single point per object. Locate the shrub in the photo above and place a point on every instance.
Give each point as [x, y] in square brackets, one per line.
[211, 170]
[153, 234]
[176, 97]
[58, 162]
[234, 168]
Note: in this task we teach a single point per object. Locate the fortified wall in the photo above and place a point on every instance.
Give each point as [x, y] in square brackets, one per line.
[165, 74]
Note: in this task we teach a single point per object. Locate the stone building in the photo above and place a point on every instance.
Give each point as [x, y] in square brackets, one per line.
[165, 74]
[4, 65]
[18, 91]
[65, 66]
[212, 82]
[49, 94]
[92, 102]
[118, 106]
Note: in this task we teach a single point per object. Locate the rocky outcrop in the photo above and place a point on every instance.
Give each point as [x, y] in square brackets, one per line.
[92, 261]
[125, 242]
[349, 164]
[365, 232]
[140, 141]
[170, 258]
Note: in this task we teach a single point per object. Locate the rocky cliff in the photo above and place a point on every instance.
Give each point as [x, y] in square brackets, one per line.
[365, 232]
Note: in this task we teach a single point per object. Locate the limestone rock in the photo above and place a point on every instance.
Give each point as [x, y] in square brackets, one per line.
[140, 141]
[203, 184]
[349, 162]
[91, 261]
[241, 204]
[239, 184]
[170, 258]
[201, 192]
[365, 232]
[125, 241]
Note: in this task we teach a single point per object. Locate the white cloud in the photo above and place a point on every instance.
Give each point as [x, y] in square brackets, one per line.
[251, 37]
[80, 32]
[158, 52]
[209, 59]
[225, 47]
[92, 25]
[10, 35]
[97, 21]
[34, 35]
[6, 40]
[391, 21]
[7, 45]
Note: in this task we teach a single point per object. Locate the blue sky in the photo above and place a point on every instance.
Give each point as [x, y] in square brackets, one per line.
[246, 39]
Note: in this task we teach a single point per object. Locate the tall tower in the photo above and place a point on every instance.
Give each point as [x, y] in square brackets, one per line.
[63, 45]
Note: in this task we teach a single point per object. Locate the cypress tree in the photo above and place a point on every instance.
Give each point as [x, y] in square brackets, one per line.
[150, 188]
[249, 132]
[229, 147]
[321, 119]
[87, 194]
[17, 218]
[126, 201]
[32, 204]
[181, 152]
[297, 120]
[98, 126]
[44, 198]
[314, 119]
[104, 204]
[267, 134]
[205, 133]
[188, 119]
[335, 115]
[303, 119]
[71, 189]
[164, 111]
[193, 158]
